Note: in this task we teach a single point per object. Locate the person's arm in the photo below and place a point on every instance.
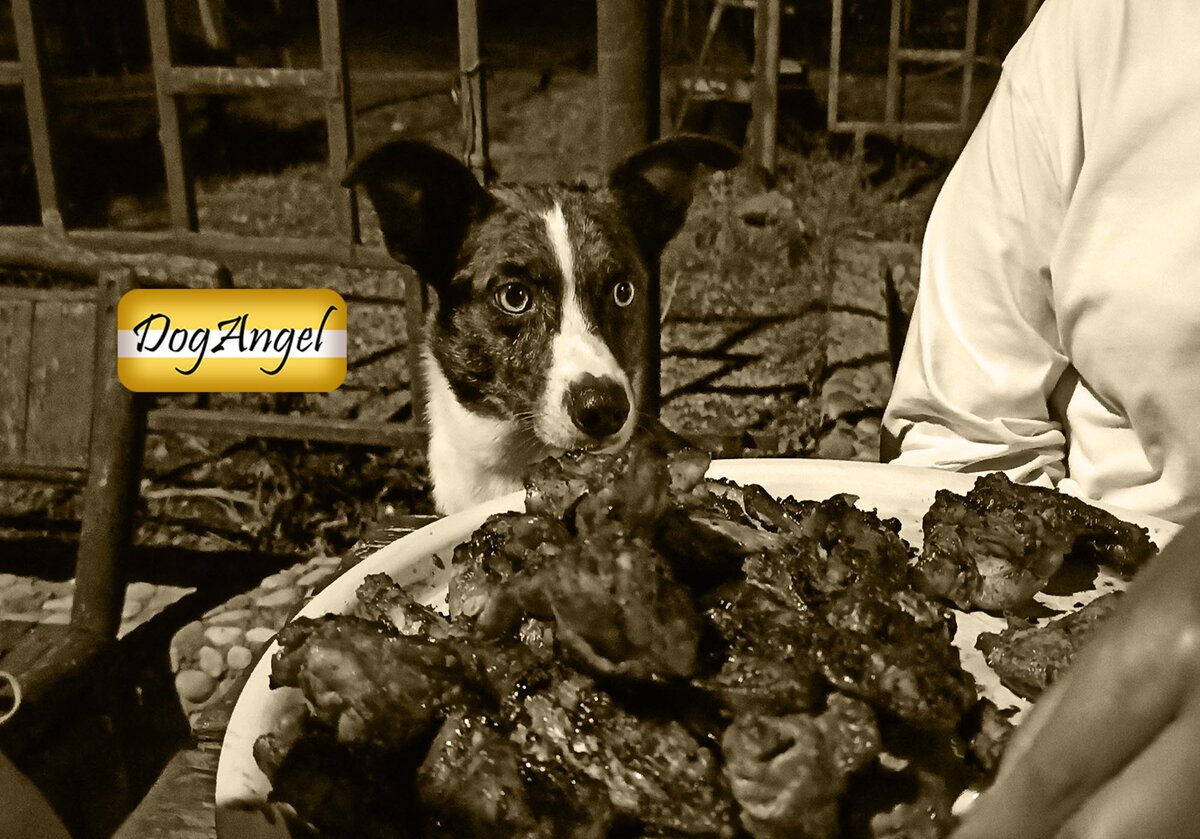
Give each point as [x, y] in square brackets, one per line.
[1113, 748]
[982, 354]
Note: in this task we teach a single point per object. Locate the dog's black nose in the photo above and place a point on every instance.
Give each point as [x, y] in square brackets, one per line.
[597, 405]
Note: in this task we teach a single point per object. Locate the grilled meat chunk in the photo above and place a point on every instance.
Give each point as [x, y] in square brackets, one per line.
[505, 544]
[654, 771]
[1029, 658]
[365, 680]
[999, 545]
[926, 816]
[788, 773]
[470, 784]
[767, 660]
[380, 598]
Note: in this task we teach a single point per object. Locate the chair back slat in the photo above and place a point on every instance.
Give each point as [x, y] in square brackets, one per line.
[16, 327]
[61, 384]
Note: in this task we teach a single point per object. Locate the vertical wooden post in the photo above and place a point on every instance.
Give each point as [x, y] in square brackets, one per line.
[30, 53]
[339, 116]
[765, 103]
[180, 194]
[835, 66]
[472, 92]
[627, 59]
[968, 79]
[891, 107]
[114, 469]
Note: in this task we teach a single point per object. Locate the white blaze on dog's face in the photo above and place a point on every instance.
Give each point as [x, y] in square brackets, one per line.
[544, 325]
[589, 399]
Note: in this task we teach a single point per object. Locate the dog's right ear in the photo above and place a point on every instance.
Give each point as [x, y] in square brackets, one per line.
[426, 201]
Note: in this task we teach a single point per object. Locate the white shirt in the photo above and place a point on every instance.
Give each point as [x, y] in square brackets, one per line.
[1056, 334]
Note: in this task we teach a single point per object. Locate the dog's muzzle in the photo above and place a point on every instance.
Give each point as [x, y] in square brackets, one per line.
[597, 405]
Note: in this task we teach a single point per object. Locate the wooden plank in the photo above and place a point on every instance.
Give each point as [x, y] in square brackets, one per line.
[229, 248]
[230, 80]
[11, 74]
[339, 116]
[180, 804]
[34, 247]
[180, 193]
[36, 112]
[285, 427]
[931, 56]
[118, 431]
[16, 328]
[60, 384]
[472, 92]
[869, 126]
[38, 295]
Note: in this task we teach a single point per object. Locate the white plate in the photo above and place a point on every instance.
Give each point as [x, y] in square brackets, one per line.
[901, 492]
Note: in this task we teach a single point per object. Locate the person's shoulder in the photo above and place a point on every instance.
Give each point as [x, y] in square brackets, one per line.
[1070, 40]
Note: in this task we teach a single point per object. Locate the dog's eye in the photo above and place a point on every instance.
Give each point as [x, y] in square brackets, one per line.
[514, 298]
[623, 293]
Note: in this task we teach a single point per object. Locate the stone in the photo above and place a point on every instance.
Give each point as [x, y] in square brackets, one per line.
[131, 609]
[211, 661]
[313, 577]
[238, 657]
[259, 635]
[765, 207]
[837, 445]
[275, 581]
[279, 597]
[194, 686]
[140, 590]
[223, 636]
[838, 404]
[59, 604]
[232, 616]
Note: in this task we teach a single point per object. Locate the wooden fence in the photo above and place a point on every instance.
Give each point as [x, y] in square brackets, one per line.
[330, 84]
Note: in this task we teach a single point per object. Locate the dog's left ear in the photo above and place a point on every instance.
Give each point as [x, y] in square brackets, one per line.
[655, 185]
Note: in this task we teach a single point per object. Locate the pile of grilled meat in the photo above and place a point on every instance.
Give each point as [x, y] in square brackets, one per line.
[647, 652]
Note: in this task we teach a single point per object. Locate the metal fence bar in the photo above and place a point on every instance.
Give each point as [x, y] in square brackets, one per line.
[339, 116]
[472, 91]
[181, 196]
[30, 54]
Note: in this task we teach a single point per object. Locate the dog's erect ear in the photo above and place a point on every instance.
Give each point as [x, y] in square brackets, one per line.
[655, 185]
[426, 201]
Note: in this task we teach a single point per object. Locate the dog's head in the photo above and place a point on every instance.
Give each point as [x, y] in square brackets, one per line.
[541, 316]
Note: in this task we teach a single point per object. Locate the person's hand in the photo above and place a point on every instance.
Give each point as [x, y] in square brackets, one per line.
[1113, 748]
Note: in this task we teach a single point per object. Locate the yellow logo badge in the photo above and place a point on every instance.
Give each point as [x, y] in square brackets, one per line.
[192, 340]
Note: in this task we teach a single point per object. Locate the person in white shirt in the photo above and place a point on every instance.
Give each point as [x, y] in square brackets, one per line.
[1056, 332]
[1056, 337]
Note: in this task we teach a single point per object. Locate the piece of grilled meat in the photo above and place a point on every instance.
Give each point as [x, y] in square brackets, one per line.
[999, 545]
[1029, 658]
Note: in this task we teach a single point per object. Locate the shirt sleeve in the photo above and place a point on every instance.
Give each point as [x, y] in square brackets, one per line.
[982, 355]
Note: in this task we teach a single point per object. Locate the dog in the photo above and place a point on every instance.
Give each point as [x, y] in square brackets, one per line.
[537, 341]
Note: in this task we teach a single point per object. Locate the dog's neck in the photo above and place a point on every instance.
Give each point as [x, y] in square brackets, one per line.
[472, 458]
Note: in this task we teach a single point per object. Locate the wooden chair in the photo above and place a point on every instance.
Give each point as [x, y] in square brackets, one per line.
[66, 417]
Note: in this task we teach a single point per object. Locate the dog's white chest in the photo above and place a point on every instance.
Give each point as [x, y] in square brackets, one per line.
[472, 458]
